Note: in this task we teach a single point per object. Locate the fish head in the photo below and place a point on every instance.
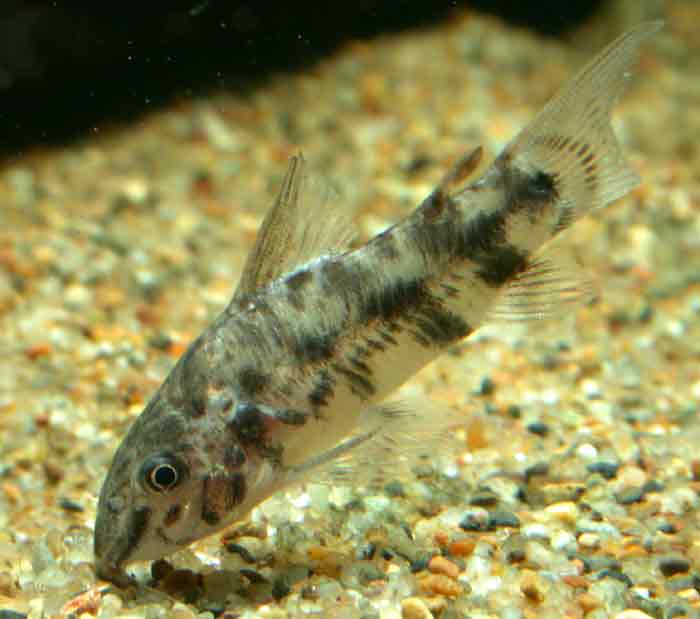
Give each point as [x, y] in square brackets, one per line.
[178, 476]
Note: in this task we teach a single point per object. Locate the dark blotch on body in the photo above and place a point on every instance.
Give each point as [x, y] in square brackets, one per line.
[248, 425]
[501, 265]
[314, 347]
[441, 327]
[323, 390]
[390, 302]
[359, 382]
[336, 276]
[220, 494]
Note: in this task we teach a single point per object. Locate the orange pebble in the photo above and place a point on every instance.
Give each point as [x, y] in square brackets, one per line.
[37, 350]
[462, 547]
[588, 602]
[439, 584]
[440, 565]
[576, 581]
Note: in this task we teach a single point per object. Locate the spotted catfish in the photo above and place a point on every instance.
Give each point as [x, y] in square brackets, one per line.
[292, 375]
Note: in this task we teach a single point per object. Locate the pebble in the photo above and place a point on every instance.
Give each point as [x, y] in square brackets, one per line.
[415, 608]
[181, 611]
[588, 602]
[538, 428]
[632, 613]
[441, 565]
[606, 469]
[565, 511]
[439, 584]
[486, 387]
[475, 520]
[462, 547]
[503, 519]
[670, 566]
[627, 496]
[589, 540]
[535, 530]
[532, 587]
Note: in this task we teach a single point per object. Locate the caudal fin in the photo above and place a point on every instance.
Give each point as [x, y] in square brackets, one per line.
[572, 140]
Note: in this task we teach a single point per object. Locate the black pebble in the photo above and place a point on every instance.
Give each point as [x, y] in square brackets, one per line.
[244, 553]
[395, 489]
[614, 574]
[253, 576]
[652, 486]
[604, 468]
[517, 555]
[486, 387]
[471, 522]
[280, 588]
[160, 341]
[70, 505]
[670, 566]
[538, 427]
[536, 470]
[668, 528]
[484, 499]
[514, 411]
[503, 519]
[420, 564]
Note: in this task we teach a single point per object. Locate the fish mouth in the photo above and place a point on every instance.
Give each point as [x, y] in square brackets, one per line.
[113, 548]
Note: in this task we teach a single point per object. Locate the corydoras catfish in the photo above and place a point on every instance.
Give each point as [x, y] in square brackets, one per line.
[293, 374]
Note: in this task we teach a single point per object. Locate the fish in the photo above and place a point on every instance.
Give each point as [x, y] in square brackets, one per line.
[293, 376]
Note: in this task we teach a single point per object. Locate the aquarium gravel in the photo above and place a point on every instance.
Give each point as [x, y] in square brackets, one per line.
[575, 491]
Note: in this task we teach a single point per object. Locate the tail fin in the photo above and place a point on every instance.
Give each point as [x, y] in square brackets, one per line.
[571, 139]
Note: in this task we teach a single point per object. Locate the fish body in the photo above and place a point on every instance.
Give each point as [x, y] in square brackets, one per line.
[292, 375]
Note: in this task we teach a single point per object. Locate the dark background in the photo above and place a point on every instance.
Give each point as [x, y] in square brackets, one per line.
[65, 68]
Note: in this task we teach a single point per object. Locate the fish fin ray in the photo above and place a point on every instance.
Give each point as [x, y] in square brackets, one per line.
[394, 437]
[572, 139]
[552, 283]
[302, 224]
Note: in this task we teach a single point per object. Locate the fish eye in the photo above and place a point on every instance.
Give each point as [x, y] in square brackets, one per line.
[162, 473]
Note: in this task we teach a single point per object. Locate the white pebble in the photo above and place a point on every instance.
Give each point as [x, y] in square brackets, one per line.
[632, 613]
[563, 540]
[535, 531]
[591, 389]
[589, 540]
[587, 451]
[565, 511]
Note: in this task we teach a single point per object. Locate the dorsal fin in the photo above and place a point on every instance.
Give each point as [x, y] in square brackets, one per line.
[301, 225]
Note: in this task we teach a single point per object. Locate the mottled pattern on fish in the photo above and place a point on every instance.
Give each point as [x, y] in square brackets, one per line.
[291, 375]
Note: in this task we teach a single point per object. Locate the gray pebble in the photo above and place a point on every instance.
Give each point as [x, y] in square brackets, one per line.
[670, 566]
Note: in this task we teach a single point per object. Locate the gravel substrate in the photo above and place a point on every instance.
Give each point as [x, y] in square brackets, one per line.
[116, 252]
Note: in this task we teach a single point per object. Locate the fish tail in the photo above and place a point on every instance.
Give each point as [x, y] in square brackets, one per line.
[572, 142]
